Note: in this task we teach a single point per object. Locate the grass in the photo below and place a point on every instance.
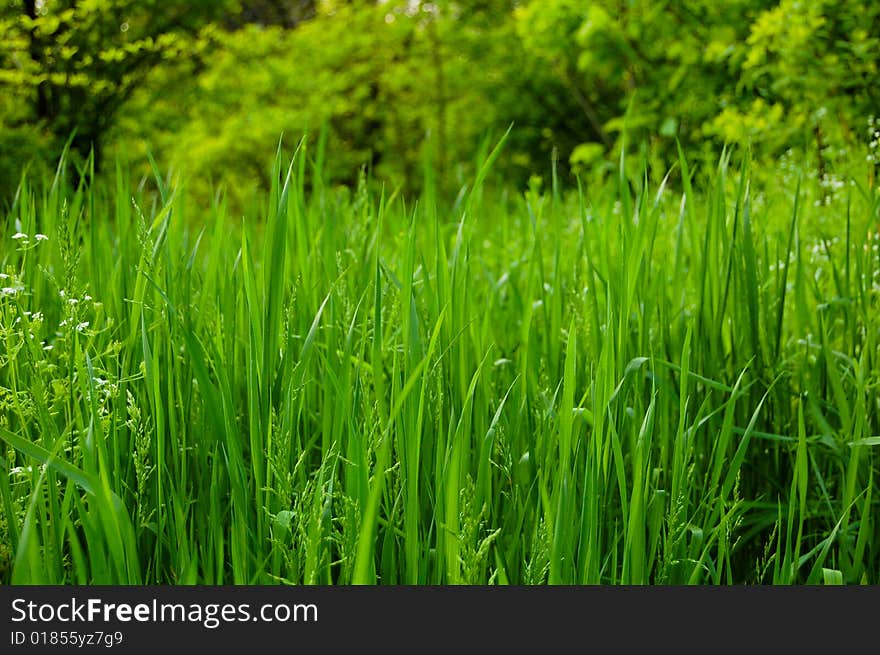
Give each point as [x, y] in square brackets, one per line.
[622, 383]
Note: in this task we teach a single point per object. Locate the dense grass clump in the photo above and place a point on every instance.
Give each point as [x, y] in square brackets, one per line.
[616, 384]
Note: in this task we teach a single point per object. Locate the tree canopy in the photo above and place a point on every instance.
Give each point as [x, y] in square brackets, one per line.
[211, 86]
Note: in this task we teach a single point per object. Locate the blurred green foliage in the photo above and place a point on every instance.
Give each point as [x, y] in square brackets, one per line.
[209, 87]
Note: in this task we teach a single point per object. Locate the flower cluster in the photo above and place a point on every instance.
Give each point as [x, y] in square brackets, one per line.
[10, 285]
[27, 242]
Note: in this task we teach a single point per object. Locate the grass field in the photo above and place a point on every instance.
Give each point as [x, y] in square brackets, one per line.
[620, 384]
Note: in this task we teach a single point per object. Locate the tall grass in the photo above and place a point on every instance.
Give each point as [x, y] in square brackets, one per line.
[622, 384]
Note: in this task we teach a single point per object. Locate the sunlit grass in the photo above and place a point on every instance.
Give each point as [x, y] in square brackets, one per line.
[607, 384]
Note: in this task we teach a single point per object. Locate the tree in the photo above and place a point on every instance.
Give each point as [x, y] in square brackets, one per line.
[73, 63]
[777, 75]
[816, 64]
[383, 78]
